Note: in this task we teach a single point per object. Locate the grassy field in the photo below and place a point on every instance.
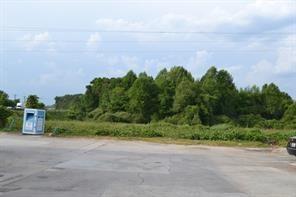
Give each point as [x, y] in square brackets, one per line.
[219, 135]
[163, 132]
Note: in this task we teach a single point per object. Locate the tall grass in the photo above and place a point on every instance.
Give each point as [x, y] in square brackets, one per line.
[222, 132]
[217, 133]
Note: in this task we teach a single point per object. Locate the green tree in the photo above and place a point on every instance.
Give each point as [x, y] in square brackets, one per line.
[166, 94]
[33, 102]
[3, 98]
[220, 91]
[209, 95]
[250, 101]
[67, 101]
[143, 98]
[228, 94]
[178, 74]
[118, 100]
[186, 94]
[167, 81]
[275, 101]
[128, 80]
[98, 92]
[4, 114]
[290, 113]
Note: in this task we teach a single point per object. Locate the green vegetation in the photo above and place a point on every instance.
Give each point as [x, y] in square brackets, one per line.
[222, 132]
[67, 101]
[4, 114]
[173, 106]
[175, 97]
[33, 102]
[219, 133]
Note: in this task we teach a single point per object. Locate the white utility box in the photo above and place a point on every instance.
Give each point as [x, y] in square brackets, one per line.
[34, 121]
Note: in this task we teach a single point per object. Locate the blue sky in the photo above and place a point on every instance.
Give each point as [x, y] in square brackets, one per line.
[52, 48]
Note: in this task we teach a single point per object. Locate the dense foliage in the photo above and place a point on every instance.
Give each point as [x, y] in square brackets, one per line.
[67, 101]
[5, 103]
[215, 133]
[174, 96]
[33, 102]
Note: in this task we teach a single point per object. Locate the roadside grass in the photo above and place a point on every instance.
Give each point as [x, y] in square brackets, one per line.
[218, 135]
[164, 132]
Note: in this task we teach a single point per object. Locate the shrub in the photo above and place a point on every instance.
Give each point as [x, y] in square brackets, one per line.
[57, 115]
[198, 132]
[123, 117]
[58, 131]
[290, 113]
[14, 123]
[138, 118]
[107, 117]
[250, 120]
[222, 119]
[115, 117]
[95, 114]
[189, 117]
[4, 114]
[270, 124]
[222, 127]
[76, 115]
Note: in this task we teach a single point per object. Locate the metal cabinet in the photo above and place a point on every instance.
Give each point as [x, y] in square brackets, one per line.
[34, 121]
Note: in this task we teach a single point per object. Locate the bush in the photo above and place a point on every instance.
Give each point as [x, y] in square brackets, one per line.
[76, 115]
[138, 118]
[95, 114]
[270, 124]
[221, 132]
[14, 123]
[58, 131]
[289, 118]
[4, 114]
[123, 117]
[250, 120]
[222, 119]
[57, 115]
[189, 117]
[290, 113]
[222, 127]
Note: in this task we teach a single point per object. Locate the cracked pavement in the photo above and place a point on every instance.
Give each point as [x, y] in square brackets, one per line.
[34, 166]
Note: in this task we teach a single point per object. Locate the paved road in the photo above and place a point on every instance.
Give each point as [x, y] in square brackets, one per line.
[33, 166]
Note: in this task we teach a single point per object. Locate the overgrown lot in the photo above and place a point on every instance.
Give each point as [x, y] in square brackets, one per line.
[222, 132]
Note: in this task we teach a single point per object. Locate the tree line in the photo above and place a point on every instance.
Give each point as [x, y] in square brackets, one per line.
[7, 105]
[174, 96]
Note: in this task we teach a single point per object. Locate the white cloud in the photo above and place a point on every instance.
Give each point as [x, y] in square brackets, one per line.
[198, 63]
[283, 66]
[94, 40]
[122, 24]
[275, 11]
[33, 41]
[117, 65]
[286, 60]
[55, 76]
[260, 73]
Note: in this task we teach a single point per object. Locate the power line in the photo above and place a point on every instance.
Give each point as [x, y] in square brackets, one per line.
[138, 1]
[137, 51]
[136, 41]
[54, 29]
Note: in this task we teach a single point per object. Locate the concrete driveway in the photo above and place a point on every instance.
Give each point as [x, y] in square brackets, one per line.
[33, 166]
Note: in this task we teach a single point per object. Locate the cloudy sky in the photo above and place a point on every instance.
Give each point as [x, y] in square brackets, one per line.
[51, 47]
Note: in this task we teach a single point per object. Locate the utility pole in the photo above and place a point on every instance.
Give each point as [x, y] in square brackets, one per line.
[24, 103]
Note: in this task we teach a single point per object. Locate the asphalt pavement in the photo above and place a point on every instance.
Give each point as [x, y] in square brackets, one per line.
[36, 166]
